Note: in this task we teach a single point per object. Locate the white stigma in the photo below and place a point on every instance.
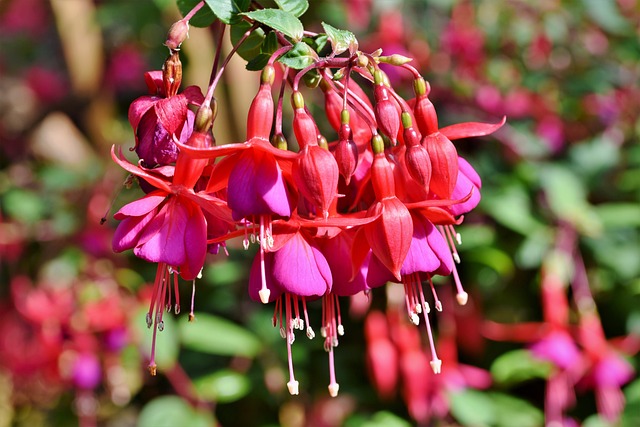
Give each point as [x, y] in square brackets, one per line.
[462, 297]
[436, 365]
[293, 387]
[333, 389]
[264, 295]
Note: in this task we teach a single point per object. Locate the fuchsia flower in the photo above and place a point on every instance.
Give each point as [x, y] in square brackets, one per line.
[156, 118]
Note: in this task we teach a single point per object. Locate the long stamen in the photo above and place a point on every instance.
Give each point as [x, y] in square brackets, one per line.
[292, 385]
[192, 316]
[446, 232]
[264, 292]
[333, 385]
[438, 304]
[310, 333]
[436, 363]
[461, 296]
[176, 293]
[339, 317]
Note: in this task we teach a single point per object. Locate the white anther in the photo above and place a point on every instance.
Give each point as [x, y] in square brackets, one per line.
[340, 330]
[310, 334]
[462, 298]
[459, 238]
[456, 257]
[293, 387]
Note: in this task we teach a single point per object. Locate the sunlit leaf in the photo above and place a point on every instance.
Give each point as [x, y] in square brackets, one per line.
[227, 10]
[301, 56]
[223, 386]
[171, 411]
[518, 366]
[279, 20]
[511, 411]
[341, 40]
[472, 408]
[214, 335]
[295, 7]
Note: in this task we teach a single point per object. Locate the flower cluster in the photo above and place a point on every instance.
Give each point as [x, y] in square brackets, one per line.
[378, 203]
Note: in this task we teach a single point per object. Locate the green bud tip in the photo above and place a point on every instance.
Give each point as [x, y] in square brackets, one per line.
[377, 144]
[344, 117]
[268, 75]
[278, 140]
[406, 120]
[204, 118]
[297, 100]
[378, 77]
[419, 86]
[322, 142]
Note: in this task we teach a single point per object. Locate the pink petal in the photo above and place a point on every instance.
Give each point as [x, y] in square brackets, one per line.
[172, 112]
[301, 269]
[163, 239]
[141, 206]
[195, 244]
[128, 232]
[139, 107]
[471, 129]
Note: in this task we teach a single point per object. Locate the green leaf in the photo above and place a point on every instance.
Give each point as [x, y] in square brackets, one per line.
[511, 207]
[341, 40]
[279, 20]
[171, 411]
[24, 206]
[223, 386]
[518, 366]
[295, 7]
[214, 335]
[566, 195]
[167, 340]
[619, 214]
[606, 14]
[301, 56]
[203, 18]
[472, 408]
[511, 411]
[252, 45]
[227, 10]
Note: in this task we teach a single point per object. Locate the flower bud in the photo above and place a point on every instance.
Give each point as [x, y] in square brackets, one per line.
[385, 109]
[424, 111]
[417, 159]
[346, 152]
[444, 163]
[260, 116]
[315, 173]
[178, 33]
[172, 74]
[395, 59]
[279, 141]
[204, 117]
[304, 127]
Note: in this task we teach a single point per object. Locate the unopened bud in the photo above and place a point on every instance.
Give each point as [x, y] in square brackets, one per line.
[395, 59]
[377, 144]
[322, 142]
[268, 75]
[178, 33]
[362, 61]
[421, 87]
[204, 119]
[297, 100]
[279, 141]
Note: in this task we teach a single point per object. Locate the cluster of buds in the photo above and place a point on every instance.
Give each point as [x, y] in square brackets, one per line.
[377, 204]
